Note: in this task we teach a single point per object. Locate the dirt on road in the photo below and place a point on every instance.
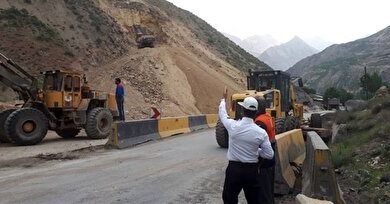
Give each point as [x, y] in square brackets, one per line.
[51, 145]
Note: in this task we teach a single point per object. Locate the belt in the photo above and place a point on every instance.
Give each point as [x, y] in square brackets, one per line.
[242, 163]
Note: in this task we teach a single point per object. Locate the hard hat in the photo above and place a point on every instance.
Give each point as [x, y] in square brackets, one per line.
[249, 103]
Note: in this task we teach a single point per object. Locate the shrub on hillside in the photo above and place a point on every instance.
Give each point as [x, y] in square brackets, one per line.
[341, 94]
[14, 17]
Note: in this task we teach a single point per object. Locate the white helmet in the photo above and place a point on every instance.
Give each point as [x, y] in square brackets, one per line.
[249, 103]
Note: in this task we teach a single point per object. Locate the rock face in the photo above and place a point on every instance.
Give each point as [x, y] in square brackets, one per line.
[342, 65]
[284, 56]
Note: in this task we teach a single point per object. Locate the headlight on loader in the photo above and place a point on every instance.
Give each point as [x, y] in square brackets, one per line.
[68, 98]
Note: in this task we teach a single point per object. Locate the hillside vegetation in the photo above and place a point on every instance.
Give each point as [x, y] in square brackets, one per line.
[361, 152]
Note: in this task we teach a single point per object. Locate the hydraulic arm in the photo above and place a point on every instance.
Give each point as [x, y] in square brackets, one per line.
[15, 77]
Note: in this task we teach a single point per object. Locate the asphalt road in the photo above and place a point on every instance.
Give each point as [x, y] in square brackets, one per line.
[183, 169]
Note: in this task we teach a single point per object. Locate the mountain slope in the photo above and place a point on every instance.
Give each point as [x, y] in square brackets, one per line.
[342, 65]
[233, 38]
[287, 54]
[256, 44]
[184, 74]
[317, 42]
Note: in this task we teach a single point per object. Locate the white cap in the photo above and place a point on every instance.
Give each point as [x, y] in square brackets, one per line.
[249, 103]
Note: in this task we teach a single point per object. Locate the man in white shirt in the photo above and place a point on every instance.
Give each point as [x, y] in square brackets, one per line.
[247, 142]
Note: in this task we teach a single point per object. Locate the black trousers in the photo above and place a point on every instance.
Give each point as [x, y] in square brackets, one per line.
[267, 177]
[266, 193]
[241, 176]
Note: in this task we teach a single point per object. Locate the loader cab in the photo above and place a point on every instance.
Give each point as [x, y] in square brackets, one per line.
[272, 80]
[62, 89]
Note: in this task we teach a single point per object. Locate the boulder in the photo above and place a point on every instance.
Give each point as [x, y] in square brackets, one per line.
[352, 105]
[382, 92]
[339, 132]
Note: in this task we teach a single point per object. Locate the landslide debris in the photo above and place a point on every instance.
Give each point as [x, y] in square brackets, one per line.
[184, 74]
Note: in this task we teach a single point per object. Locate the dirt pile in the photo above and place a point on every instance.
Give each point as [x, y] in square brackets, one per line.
[184, 74]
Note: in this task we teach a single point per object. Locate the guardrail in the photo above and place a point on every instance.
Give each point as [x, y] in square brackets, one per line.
[289, 154]
[319, 179]
[127, 134]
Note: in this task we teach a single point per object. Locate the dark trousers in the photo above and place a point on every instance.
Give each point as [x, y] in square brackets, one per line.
[266, 193]
[241, 176]
[267, 177]
[121, 111]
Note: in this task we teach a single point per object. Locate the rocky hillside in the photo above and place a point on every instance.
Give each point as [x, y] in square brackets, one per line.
[184, 74]
[256, 44]
[342, 65]
[284, 56]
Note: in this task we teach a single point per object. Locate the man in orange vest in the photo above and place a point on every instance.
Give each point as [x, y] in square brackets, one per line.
[266, 166]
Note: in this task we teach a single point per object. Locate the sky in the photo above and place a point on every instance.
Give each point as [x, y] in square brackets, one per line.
[336, 21]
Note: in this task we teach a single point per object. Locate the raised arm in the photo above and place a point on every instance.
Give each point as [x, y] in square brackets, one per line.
[223, 116]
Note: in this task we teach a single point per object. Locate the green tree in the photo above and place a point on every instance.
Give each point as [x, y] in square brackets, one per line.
[330, 93]
[344, 95]
[371, 82]
[341, 94]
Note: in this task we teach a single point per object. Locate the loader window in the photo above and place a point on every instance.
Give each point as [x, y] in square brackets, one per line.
[68, 83]
[266, 83]
[49, 82]
[284, 91]
[269, 98]
[76, 84]
[52, 82]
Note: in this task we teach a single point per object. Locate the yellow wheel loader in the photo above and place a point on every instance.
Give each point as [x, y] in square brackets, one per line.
[278, 90]
[65, 104]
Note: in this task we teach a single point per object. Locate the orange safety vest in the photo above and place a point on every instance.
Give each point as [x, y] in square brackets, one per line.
[268, 120]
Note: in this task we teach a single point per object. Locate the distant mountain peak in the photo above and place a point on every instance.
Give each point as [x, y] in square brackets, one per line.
[296, 38]
[297, 41]
[287, 54]
[255, 44]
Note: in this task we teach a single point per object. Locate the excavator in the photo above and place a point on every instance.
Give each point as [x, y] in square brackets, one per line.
[65, 104]
[278, 89]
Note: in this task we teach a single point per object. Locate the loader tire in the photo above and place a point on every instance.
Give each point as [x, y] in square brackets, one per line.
[291, 123]
[26, 126]
[221, 135]
[3, 117]
[280, 126]
[68, 133]
[315, 120]
[99, 122]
